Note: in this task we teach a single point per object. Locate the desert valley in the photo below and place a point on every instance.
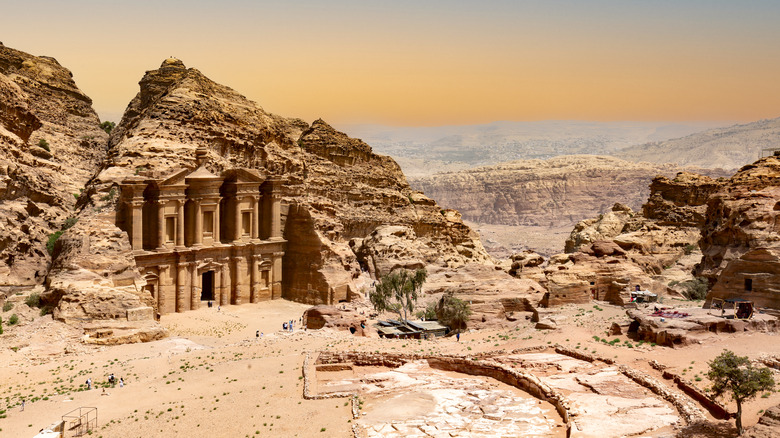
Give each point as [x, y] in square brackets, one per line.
[207, 268]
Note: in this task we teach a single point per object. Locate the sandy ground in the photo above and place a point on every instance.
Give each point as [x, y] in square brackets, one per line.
[212, 377]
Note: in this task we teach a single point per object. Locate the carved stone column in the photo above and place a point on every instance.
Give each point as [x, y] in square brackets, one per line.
[225, 285]
[276, 215]
[180, 223]
[255, 279]
[138, 224]
[217, 219]
[255, 217]
[237, 220]
[162, 289]
[160, 226]
[181, 287]
[198, 237]
[239, 281]
[194, 289]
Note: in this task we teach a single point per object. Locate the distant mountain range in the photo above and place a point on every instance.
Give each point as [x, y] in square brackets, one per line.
[728, 148]
[426, 150]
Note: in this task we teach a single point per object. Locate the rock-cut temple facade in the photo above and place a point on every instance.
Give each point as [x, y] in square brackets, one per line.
[198, 237]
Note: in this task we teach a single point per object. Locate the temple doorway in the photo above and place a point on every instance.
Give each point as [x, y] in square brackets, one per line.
[207, 289]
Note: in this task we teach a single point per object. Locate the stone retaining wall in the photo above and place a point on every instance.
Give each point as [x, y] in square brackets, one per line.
[471, 366]
[582, 355]
[688, 410]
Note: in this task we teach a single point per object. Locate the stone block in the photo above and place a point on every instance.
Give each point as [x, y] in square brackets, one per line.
[140, 314]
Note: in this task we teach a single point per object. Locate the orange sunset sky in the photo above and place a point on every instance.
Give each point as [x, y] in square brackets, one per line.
[426, 63]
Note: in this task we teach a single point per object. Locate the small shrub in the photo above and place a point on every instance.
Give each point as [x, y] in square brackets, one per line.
[107, 126]
[695, 289]
[1, 325]
[45, 310]
[8, 306]
[13, 319]
[34, 300]
[70, 222]
[44, 145]
[688, 249]
[52, 240]
[111, 193]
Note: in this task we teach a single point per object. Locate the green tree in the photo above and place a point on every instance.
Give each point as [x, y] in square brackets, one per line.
[734, 374]
[453, 312]
[108, 126]
[398, 292]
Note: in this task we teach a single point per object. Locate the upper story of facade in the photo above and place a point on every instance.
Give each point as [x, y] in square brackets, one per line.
[191, 209]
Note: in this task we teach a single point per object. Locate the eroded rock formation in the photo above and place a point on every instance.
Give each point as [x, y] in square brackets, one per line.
[336, 191]
[560, 190]
[740, 239]
[50, 144]
[621, 249]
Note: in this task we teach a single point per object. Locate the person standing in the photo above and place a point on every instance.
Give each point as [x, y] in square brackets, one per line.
[121, 382]
[457, 336]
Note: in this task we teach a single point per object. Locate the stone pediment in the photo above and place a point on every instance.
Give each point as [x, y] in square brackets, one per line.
[243, 175]
[176, 177]
[201, 173]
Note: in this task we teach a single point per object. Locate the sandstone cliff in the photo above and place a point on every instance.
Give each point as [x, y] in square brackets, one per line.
[728, 148]
[740, 239]
[50, 144]
[337, 192]
[620, 249]
[557, 191]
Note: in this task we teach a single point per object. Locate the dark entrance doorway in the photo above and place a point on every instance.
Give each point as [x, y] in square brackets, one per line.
[207, 286]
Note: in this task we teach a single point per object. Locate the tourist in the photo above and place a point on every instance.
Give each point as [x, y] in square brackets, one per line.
[284, 326]
[89, 383]
[457, 336]
[22, 404]
[257, 334]
[121, 383]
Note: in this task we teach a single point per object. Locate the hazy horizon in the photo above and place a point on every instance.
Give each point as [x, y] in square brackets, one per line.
[428, 64]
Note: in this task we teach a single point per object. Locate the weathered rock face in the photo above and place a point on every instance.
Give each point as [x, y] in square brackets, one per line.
[351, 320]
[621, 249]
[336, 190]
[40, 108]
[497, 299]
[740, 239]
[561, 190]
[768, 425]
[742, 216]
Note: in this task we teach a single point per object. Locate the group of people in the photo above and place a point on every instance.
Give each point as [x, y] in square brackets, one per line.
[112, 380]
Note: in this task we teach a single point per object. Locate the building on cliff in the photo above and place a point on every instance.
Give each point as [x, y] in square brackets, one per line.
[200, 237]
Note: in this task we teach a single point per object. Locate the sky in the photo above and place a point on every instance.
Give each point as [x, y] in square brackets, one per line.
[427, 62]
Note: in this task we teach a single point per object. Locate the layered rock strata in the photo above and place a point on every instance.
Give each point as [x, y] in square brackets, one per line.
[337, 195]
[557, 191]
[740, 237]
[50, 144]
[611, 255]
